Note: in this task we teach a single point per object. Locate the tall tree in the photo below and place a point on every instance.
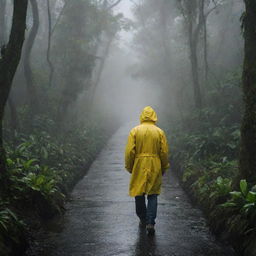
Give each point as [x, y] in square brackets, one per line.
[51, 29]
[31, 89]
[8, 64]
[2, 22]
[3, 35]
[102, 59]
[78, 42]
[84, 46]
[195, 17]
[205, 44]
[191, 15]
[108, 33]
[48, 54]
[164, 12]
[248, 128]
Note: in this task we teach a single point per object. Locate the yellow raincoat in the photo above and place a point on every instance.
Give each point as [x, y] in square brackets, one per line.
[146, 155]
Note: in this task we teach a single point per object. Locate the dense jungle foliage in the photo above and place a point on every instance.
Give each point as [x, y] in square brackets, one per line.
[42, 167]
[205, 157]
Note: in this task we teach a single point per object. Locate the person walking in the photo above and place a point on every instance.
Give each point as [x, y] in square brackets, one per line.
[146, 158]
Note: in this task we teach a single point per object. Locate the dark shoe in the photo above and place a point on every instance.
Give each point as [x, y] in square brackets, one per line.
[150, 229]
[142, 223]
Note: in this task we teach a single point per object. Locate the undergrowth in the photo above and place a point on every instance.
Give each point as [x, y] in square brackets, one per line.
[43, 164]
[205, 148]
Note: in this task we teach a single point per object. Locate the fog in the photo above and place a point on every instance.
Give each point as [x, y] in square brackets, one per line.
[150, 63]
[120, 92]
[128, 94]
[138, 54]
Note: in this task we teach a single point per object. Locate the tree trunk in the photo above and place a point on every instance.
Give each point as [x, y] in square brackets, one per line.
[8, 65]
[48, 56]
[2, 22]
[248, 128]
[27, 58]
[64, 104]
[2, 152]
[101, 68]
[111, 36]
[166, 52]
[14, 122]
[193, 38]
[51, 30]
[205, 43]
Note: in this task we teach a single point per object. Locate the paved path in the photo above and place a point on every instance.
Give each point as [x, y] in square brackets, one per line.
[100, 218]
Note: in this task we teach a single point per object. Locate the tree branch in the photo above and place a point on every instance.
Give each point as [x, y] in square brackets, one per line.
[212, 9]
[114, 4]
[60, 15]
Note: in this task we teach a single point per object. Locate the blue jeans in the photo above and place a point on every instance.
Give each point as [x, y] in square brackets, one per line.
[146, 213]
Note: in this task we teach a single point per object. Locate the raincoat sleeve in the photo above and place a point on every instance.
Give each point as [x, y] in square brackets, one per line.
[164, 153]
[130, 152]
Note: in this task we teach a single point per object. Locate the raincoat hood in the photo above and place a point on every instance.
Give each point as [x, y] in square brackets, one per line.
[148, 114]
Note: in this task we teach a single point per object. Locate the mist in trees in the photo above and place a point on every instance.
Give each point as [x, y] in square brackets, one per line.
[72, 72]
[68, 46]
[84, 58]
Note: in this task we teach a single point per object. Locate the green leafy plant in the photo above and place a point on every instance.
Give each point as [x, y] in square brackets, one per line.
[8, 219]
[243, 200]
[221, 187]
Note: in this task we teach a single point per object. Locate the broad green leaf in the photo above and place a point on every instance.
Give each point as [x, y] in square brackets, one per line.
[9, 161]
[228, 204]
[251, 197]
[219, 180]
[236, 194]
[40, 180]
[253, 188]
[243, 187]
[35, 188]
[246, 206]
[29, 163]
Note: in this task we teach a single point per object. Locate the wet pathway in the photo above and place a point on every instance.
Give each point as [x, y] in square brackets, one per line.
[100, 218]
